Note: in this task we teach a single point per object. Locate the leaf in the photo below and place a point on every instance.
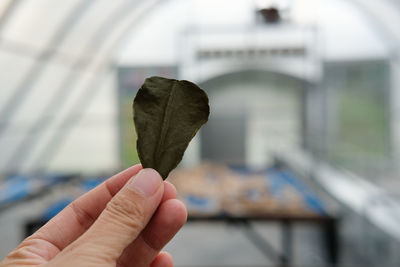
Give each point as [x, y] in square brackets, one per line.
[167, 115]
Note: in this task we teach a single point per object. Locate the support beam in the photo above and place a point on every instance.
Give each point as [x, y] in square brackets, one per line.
[20, 92]
[134, 12]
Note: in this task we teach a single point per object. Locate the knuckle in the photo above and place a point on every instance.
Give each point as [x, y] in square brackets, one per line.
[24, 252]
[83, 218]
[124, 209]
[18, 254]
[85, 254]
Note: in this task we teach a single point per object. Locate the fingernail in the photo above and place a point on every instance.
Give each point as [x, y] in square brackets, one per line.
[147, 181]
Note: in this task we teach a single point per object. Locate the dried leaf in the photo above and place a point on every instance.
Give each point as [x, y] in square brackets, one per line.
[167, 115]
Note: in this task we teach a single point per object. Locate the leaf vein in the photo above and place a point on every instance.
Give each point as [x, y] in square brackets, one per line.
[165, 123]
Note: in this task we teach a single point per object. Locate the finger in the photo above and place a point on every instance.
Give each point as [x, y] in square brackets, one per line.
[78, 216]
[166, 222]
[169, 191]
[163, 259]
[124, 217]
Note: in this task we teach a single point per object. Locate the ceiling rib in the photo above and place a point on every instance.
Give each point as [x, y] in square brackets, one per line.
[20, 92]
[9, 10]
[53, 146]
[58, 99]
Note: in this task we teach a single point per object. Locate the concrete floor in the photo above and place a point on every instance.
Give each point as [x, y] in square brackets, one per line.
[204, 244]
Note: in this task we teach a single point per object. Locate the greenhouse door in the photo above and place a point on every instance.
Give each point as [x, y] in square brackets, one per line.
[254, 116]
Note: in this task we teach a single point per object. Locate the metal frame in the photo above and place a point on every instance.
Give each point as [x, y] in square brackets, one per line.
[55, 142]
[8, 12]
[28, 81]
[24, 149]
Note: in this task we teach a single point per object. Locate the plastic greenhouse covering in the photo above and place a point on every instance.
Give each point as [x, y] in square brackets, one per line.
[54, 63]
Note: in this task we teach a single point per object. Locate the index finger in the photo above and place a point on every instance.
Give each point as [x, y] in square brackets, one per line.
[78, 216]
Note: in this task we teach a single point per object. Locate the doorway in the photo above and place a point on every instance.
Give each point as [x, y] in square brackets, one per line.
[254, 115]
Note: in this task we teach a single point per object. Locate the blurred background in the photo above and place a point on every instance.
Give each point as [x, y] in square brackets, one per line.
[298, 164]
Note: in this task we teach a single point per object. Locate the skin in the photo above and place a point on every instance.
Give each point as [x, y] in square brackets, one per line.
[124, 222]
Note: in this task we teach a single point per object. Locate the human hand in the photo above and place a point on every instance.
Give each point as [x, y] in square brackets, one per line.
[122, 222]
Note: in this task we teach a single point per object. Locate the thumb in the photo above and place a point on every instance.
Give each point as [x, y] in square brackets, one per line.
[125, 216]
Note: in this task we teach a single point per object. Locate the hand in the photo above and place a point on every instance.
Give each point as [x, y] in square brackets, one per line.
[122, 222]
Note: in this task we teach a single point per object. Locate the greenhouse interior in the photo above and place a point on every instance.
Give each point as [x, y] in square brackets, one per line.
[298, 164]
